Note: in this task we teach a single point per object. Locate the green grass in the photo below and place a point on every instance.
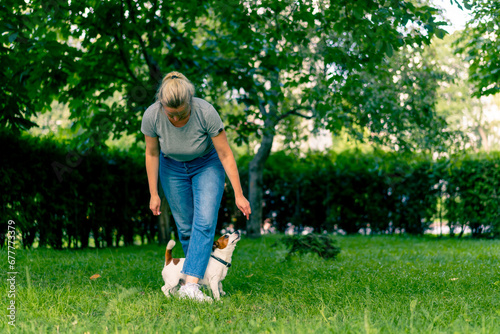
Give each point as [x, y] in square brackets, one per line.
[383, 284]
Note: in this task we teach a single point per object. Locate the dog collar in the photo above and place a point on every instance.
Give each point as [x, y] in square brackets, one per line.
[227, 264]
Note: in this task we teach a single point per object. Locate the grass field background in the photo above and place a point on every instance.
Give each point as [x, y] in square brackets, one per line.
[379, 284]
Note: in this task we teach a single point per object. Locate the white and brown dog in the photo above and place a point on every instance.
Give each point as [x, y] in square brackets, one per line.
[218, 264]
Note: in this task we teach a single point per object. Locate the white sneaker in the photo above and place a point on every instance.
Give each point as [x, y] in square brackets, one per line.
[192, 291]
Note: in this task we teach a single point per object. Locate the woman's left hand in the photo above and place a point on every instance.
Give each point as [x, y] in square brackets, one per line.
[244, 206]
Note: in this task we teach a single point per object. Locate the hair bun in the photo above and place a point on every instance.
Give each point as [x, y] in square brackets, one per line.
[175, 93]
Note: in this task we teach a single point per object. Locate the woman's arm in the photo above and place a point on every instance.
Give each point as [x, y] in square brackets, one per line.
[152, 165]
[227, 158]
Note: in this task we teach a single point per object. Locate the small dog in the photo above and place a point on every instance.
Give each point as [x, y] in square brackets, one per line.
[218, 264]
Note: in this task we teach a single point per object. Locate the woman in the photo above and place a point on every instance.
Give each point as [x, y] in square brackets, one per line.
[186, 145]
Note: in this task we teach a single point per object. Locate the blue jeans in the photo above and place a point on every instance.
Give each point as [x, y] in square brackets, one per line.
[194, 192]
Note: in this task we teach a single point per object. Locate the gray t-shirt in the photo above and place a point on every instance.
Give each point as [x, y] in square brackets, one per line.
[190, 141]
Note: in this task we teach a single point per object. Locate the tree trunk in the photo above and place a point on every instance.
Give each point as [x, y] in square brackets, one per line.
[462, 231]
[84, 233]
[296, 221]
[256, 172]
[484, 138]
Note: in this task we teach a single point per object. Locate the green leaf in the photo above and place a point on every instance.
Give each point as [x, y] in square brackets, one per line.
[13, 37]
[389, 50]
[440, 33]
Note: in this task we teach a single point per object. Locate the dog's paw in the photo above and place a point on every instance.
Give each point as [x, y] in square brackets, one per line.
[222, 293]
[169, 292]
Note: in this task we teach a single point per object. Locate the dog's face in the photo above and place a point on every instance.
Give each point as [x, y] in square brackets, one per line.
[227, 242]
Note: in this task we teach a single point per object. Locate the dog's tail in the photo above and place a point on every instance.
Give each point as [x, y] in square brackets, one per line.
[168, 252]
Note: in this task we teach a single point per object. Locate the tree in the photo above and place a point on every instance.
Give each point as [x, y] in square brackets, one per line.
[395, 103]
[305, 59]
[481, 45]
[456, 102]
[82, 53]
[30, 55]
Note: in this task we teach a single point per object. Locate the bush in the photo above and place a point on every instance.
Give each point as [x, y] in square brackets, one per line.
[472, 194]
[321, 244]
[382, 192]
[62, 196]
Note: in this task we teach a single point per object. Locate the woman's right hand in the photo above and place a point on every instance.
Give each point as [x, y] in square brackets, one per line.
[154, 205]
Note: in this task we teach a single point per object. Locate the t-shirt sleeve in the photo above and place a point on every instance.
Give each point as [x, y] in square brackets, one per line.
[214, 123]
[148, 126]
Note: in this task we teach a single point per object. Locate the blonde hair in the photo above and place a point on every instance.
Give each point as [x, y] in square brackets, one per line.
[175, 90]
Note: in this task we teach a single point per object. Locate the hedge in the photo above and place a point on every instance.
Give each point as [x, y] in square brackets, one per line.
[61, 196]
[383, 192]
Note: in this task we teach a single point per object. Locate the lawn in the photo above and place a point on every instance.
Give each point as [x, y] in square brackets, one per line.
[380, 284]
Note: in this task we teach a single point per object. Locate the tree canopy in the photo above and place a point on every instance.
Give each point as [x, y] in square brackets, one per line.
[83, 52]
[480, 43]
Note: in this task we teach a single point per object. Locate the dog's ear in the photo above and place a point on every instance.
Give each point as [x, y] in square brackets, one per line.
[215, 245]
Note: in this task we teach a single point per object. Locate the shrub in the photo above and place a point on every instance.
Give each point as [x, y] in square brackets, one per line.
[321, 244]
